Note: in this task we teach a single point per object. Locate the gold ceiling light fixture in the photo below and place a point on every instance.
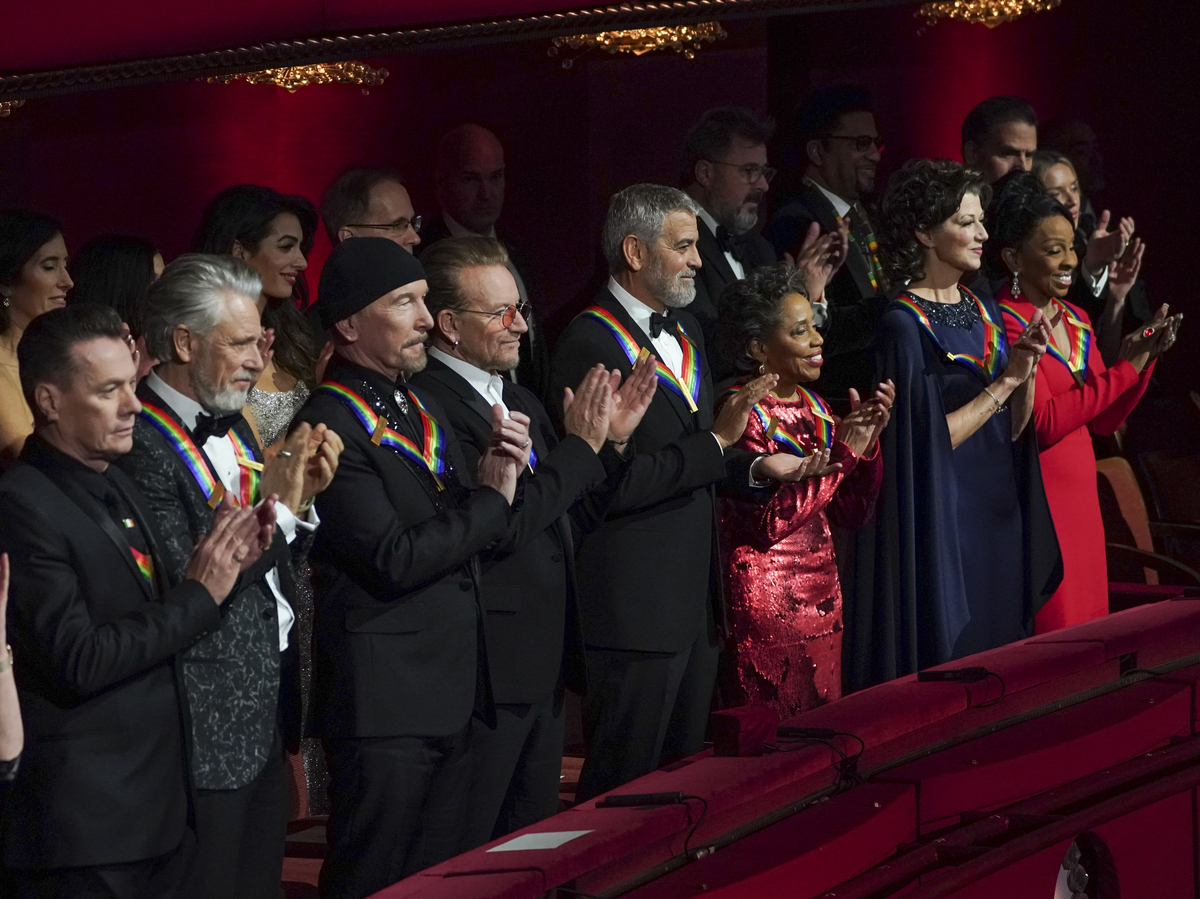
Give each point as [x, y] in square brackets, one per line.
[7, 106]
[985, 12]
[292, 78]
[685, 39]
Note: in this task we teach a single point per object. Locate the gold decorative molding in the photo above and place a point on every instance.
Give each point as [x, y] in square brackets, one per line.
[685, 39]
[292, 78]
[7, 106]
[985, 12]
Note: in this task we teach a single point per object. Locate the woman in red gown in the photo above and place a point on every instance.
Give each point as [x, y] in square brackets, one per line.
[784, 599]
[1075, 396]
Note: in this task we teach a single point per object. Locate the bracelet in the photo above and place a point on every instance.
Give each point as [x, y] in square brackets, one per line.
[999, 405]
[304, 507]
[6, 662]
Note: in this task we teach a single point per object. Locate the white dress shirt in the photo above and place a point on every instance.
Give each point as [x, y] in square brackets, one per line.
[486, 384]
[224, 461]
[666, 344]
[738, 270]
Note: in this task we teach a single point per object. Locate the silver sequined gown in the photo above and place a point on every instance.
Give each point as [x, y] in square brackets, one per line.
[273, 412]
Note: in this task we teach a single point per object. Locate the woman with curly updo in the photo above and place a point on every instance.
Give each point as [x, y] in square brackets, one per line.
[1032, 251]
[785, 602]
[962, 552]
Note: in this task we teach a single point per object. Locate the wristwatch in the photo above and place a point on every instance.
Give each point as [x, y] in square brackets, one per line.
[6, 662]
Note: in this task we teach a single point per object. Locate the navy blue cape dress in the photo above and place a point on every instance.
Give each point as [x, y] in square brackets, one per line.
[961, 552]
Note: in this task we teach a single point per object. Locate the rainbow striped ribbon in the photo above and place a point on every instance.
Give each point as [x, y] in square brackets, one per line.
[688, 387]
[821, 414]
[993, 336]
[251, 469]
[145, 564]
[181, 442]
[1081, 341]
[431, 453]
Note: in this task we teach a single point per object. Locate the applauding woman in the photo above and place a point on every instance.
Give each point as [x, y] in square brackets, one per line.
[785, 602]
[963, 550]
[1074, 397]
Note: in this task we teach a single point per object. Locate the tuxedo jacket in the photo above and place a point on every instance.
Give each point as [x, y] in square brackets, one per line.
[854, 304]
[533, 370]
[716, 274]
[231, 677]
[103, 774]
[530, 596]
[648, 573]
[397, 640]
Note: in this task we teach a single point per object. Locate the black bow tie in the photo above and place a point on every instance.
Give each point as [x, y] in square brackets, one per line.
[658, 322]
[210, 426]
[728, 243]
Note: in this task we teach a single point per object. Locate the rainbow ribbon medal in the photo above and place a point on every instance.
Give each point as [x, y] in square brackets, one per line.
[145, 564]
[688, 387]
[821, 414]
[179, 440]
[432, 452]
[993, 335]
[1081, 341]
[251, 470]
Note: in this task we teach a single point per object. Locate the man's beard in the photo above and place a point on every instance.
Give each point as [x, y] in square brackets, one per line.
[674, 291]
[740, 220]
[219, 399]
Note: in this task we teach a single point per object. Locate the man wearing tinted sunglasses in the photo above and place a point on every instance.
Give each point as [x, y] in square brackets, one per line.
[841, 149]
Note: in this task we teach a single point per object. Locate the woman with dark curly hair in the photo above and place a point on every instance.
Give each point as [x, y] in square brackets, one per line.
[962, 551]
[784, 599]
[1032, 251]
[274, 233]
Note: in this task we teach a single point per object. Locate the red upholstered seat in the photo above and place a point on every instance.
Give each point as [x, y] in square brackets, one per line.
[514, 885]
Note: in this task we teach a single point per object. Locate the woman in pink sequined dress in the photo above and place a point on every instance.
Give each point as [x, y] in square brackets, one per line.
[782, 590]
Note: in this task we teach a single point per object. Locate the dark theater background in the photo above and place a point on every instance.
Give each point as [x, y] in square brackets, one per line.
[1094, 733]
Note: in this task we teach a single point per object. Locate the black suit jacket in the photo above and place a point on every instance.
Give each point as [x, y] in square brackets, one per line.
[533, 370]
[716, 274]
[530, 597]
[102, 778]
[648, 574]
[232, 677]
[854, 304]
[397, 644]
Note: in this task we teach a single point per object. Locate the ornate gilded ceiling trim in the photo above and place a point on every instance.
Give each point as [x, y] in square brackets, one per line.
[307, 51]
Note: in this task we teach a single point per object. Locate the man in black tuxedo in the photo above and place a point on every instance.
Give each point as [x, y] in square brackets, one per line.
[101, 805]
[724, 169]
[531, 608]
[191, 447]
[650, 585]
[370, 202]
[469, 177]
[398, 655]
[841, 149]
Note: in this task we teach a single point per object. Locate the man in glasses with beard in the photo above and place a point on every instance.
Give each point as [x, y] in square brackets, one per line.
[724, 169]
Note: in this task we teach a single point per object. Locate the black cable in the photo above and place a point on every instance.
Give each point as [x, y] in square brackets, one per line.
[996, 701]
[847, 767]
[703, 812]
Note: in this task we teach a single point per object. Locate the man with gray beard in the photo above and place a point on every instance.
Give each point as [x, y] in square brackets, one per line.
[649, 594]
[193, 451]
[724, 169]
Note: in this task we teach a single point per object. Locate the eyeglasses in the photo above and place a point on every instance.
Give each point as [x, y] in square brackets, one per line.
[507, 315]
[751, 171]
[862, 142]
[396, 227]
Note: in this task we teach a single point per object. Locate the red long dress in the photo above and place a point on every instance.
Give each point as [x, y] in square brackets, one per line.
[784, 599]
[1064, 413]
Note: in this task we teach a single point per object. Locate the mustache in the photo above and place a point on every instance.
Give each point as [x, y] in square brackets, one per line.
[755, 196]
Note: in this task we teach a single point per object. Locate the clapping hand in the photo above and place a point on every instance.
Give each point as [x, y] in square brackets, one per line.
[820, 256]
[264, 346]
[788, 468]
[1028, 349]
[860, 429]
[1123, 272]
[233, 544]
[1106, 246]
[1153, 340]
[587, 408]
[507, 452]
[631, 401]
[735, 413]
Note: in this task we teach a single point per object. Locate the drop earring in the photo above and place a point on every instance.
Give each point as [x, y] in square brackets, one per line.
[1016, 286]
[762, 367]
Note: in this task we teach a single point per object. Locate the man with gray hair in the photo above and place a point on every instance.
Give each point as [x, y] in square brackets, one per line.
[649, 591]
[192, 451]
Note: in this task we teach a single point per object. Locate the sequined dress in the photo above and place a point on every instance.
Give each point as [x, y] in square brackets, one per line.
[784, 599]
[274, 410]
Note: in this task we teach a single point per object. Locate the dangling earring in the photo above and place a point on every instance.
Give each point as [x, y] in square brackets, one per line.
[762, 368]
[5, 300]
[1016, 286]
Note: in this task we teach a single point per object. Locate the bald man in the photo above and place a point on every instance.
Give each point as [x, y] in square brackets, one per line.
[470, 192]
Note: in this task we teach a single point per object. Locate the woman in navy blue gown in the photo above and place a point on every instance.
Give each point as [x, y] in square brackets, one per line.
[962, 551]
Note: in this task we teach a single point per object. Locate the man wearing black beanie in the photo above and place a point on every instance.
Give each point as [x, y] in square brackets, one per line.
[399, 664]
